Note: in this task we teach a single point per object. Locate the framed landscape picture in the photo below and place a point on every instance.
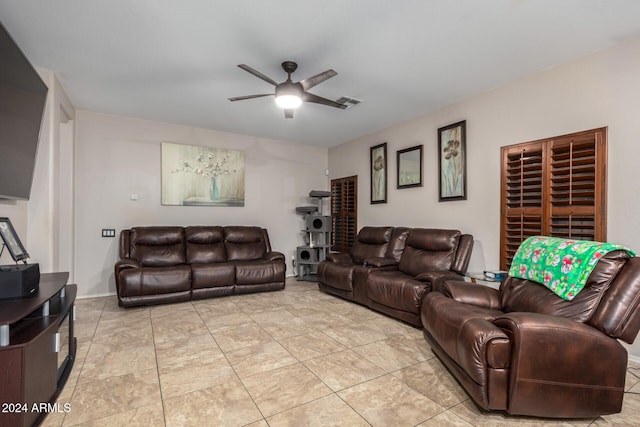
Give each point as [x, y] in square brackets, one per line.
[452, 162]
[410, 167]
[378, 164]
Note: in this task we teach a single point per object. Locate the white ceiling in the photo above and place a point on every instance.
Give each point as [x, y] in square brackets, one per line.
[175, 61]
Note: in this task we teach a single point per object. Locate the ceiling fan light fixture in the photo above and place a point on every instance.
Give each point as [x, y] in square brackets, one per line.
[289, 95]
[288, 101]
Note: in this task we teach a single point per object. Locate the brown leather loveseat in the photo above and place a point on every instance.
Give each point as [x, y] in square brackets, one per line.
[524, 350]
[390, 268]
[429, 255]
[345, 275]
[170, 264]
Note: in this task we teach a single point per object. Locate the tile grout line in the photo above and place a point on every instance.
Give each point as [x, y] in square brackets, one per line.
[155, 353]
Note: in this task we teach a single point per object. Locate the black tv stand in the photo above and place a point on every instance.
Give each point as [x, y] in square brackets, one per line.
[34, 361]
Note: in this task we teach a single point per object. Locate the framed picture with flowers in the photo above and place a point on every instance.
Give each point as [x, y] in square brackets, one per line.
[452, 162]
[378, 166]
[194, 175]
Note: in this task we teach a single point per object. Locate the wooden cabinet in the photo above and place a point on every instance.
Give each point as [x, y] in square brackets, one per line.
[32, 368]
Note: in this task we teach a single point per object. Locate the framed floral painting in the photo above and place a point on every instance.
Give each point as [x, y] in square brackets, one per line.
[452, 162]
[378, 164]
[194, 175]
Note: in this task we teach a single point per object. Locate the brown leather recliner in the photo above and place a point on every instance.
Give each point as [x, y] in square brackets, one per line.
[345, 275]
[524, 350]
[429, 254]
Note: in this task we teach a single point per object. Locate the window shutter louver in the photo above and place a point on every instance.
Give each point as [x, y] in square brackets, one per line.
[522, 207]
[577, 199]
[554, 187]
[344, 213]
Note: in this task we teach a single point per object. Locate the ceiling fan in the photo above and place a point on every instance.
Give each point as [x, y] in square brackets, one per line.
[290, 95]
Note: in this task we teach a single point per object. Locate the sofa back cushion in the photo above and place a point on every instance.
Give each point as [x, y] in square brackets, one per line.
[618, 314]
[371, 242]
[428, 250]
[463, 254]
[157, 246]
[245, 243]
[205, 244]
[525, 295]
[397, 243]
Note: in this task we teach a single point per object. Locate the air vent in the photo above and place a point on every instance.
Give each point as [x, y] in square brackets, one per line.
[349, 102]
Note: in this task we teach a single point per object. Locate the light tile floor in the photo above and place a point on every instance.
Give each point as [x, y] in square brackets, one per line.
[296, 357]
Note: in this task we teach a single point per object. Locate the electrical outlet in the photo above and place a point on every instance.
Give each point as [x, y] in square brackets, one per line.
[108, 232]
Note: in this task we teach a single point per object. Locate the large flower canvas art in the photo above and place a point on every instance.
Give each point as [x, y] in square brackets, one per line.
[202, 176]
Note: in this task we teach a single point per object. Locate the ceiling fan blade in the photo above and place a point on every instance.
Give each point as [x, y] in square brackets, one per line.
[288, 113]
[309, 97]
[240, 98]
[317, 79]
[258, 74]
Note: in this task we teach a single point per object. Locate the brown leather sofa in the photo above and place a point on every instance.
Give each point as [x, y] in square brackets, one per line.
[170, 264]
[523, 350]
[390, 268]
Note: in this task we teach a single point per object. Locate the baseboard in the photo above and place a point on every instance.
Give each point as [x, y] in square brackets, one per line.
[108, 294]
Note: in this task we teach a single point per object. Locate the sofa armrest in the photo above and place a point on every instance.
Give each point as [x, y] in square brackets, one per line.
[436, 277]
[381, 262]
[273, 256]
[471, 293]
[575, 363]
[126, 263]
[338, 257]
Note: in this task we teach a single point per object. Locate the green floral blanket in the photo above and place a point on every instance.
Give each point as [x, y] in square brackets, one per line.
[562, 265]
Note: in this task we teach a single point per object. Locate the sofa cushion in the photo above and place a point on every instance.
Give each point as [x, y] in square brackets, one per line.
[258, 272]
[397, 243]
[213, 275]
[371, 242]
[396, 290]
[205, 244]
[338, 275]
[154, 280]
[429, 249]
[158, 246]
[244, 243]
[618, 314]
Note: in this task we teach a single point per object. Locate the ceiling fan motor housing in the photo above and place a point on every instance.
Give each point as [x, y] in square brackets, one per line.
[289, 67]
[289, 88]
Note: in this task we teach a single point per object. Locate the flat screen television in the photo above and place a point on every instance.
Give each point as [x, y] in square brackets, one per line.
[23, 96]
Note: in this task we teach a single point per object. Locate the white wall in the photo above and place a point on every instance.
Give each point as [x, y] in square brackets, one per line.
[117, 156]
[602, 89]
